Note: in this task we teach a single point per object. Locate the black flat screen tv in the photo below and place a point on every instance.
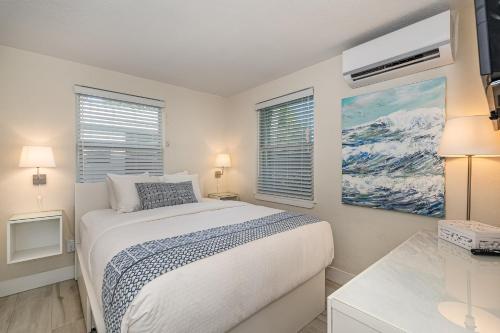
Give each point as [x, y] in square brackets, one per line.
[488, 37]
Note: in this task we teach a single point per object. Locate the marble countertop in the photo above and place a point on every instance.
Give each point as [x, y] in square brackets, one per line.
[427, 285]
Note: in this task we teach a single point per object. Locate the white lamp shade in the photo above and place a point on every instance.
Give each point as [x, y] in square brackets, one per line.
[473, 135]
[223, 161]
[37, 157]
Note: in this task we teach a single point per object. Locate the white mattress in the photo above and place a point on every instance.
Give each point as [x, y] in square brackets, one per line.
[218, 292]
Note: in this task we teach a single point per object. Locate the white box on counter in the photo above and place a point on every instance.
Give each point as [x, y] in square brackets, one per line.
[470, 234]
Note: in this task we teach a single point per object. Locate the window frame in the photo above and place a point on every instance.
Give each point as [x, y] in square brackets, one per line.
[120, 97]
[276, 198]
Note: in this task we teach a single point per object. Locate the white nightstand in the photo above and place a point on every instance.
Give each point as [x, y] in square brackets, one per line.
[424, 285]
[34, 235]
[224, 196]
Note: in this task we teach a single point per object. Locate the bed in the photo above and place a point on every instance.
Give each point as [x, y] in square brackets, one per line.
[270, 284]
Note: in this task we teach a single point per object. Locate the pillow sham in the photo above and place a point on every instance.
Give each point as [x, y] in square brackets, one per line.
[125, 192]
[185, 178]
[111, 193]
[155, 195]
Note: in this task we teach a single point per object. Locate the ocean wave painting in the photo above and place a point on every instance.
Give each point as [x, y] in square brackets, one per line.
[389, 149]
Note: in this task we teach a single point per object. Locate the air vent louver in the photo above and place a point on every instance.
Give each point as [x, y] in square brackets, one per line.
[415, 59]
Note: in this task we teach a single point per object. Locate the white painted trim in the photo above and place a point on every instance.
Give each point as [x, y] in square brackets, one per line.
[338, 276]
[13, 286]
[285, 98]
[118, 96]
[285, 201]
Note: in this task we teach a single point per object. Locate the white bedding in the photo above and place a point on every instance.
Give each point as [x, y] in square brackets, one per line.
[216, 293]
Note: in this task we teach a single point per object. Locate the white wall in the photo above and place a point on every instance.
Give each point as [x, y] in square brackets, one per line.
[363, 235]
[37, 106]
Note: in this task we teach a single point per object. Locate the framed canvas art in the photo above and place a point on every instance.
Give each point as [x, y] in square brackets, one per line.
[389, 149]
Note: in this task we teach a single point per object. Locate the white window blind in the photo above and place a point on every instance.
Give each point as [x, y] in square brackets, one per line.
[286, 147]
[117, 133]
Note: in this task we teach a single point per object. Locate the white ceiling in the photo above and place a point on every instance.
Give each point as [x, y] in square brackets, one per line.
[218, 46]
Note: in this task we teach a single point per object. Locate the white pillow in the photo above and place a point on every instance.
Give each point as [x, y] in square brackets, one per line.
[185, 178]
[111, 193]
[125, 193]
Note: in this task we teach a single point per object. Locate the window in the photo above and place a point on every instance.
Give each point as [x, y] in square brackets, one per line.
[286, 146]
[117, 133]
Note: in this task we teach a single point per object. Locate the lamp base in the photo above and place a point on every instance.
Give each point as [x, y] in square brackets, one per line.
[472, 318]
[39, 179]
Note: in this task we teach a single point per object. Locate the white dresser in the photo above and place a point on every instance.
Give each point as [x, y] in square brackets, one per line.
[425, 285]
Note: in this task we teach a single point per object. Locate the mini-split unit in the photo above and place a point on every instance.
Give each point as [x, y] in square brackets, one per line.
[423, 45]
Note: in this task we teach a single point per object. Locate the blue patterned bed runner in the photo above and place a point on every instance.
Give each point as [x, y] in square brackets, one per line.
[132, 268]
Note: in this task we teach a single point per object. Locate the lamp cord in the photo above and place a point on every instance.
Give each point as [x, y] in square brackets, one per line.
[39, 198]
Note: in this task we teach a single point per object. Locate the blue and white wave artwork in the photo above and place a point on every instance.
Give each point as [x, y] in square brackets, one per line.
[389, 149]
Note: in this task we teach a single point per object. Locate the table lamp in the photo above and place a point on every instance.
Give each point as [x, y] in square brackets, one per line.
[221, 161]
[37, 157]
[467, 137]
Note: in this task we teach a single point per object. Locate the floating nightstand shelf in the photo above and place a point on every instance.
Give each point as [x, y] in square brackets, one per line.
[224, 196]
[34, 235]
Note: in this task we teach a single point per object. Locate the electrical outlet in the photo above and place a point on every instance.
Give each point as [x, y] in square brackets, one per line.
[70, 245]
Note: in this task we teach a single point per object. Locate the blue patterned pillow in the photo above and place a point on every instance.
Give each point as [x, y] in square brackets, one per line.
[154, 195]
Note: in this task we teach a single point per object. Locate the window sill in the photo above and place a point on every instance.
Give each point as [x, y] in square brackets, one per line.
[286, 201]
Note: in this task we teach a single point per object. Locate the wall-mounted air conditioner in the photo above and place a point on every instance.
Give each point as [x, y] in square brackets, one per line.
[424, 45]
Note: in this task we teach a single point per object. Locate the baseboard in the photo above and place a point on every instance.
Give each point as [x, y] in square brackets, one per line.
[9, 287]
[337, 275]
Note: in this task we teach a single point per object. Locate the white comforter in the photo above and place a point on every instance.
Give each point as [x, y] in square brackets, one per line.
[218, 292]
